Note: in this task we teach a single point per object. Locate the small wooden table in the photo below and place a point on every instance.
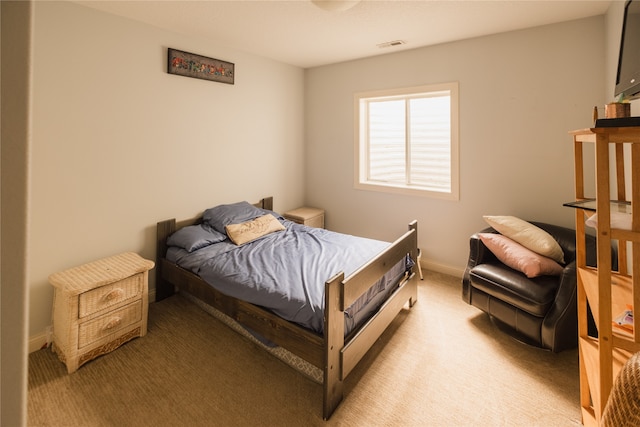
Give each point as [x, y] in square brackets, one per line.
[313, 217]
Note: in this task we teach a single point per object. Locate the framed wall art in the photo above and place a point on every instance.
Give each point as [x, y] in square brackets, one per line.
[199, 67]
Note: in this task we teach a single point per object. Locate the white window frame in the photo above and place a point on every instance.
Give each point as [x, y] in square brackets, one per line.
[361, 157]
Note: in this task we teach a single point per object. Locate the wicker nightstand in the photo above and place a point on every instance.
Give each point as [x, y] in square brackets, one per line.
[99, 306]
[313, 217]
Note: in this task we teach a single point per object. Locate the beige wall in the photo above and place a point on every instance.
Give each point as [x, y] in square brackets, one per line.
[520, 93]
[119, 144]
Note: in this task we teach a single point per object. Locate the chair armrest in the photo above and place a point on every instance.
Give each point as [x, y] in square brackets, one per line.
[560, 325]
[478, 254]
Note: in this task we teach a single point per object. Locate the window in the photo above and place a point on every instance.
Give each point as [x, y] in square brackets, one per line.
[407, 141]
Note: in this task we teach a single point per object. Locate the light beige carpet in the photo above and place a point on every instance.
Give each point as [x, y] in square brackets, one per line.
[442, 363]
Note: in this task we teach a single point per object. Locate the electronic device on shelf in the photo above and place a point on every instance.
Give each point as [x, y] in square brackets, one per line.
[618, 122]
[628, 76]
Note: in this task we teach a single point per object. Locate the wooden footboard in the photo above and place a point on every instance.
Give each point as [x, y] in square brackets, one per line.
[342, 356]
[333, 353]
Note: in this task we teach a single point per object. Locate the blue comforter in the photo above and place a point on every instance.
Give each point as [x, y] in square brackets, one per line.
[286, 271]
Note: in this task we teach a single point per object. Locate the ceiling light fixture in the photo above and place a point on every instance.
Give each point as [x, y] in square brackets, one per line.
[335, 5]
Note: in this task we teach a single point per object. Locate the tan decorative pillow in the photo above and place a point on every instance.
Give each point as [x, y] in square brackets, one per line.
[251, 230]
[528, 235]
[518, 257]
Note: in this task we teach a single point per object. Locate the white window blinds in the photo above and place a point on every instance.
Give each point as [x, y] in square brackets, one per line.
[409, 141]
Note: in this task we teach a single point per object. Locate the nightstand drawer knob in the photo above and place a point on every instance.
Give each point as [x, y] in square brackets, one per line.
[114, 294]
[113, 323]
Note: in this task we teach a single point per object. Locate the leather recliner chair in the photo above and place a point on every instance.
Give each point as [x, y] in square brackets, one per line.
[541, 311]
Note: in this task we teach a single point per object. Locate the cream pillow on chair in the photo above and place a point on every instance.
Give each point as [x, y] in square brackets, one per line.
[528, 235]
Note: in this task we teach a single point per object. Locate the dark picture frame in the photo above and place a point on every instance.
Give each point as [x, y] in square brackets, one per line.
[200, 67]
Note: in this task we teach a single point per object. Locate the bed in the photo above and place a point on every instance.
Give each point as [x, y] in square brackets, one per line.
[347, 289]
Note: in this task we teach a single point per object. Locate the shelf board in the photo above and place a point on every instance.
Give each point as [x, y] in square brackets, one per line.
[589, 417]
[589, 347]
[625, 342]
[589, 352]
[615, 135]
[619, 206]
[621, 293]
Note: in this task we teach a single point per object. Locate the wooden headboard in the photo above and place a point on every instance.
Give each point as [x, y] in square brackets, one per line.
[167, 227]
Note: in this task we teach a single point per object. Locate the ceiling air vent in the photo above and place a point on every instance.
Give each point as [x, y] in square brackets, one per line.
[391, 44]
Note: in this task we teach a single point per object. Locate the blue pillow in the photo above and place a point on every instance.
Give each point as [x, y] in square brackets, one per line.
[195, 237]
[236, 213]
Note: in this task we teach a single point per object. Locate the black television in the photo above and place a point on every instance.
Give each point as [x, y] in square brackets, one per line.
[628, 77]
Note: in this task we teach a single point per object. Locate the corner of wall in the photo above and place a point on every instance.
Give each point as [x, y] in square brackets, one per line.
[16, 38]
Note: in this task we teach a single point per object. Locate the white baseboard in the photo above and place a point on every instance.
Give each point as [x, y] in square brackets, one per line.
[442, 268]
[41, 340]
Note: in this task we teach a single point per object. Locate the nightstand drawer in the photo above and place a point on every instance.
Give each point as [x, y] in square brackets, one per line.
[107, 296]
[94, 330]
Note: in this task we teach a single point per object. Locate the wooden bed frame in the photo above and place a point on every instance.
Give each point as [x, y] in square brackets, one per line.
[335, 354]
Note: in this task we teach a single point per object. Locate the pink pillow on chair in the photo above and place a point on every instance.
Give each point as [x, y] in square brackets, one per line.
[518, 257]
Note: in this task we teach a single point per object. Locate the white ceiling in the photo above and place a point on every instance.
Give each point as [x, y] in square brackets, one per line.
[299, 33]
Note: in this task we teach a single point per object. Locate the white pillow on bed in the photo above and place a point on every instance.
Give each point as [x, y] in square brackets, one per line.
[195, 237]
[221, 216]
[252, 230]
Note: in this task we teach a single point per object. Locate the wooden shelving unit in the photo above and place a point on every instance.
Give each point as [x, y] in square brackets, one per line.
[607, 293]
